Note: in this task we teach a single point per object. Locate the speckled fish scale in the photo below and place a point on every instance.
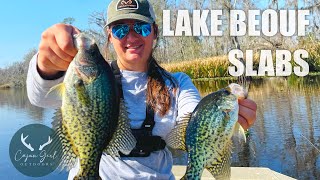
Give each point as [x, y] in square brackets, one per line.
[207, 132]
[92, 119]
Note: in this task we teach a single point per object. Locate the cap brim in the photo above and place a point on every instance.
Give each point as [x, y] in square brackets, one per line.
[130, 16]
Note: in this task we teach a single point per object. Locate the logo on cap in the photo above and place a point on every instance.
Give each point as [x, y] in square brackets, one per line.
[127, 4]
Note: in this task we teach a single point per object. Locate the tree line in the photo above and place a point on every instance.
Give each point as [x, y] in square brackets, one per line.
[184, 48]
[173, 49]
[15, 75]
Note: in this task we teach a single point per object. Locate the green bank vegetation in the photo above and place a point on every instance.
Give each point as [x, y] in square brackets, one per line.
[205, 68]
[312, 45]
[217, 67]
[201, 68]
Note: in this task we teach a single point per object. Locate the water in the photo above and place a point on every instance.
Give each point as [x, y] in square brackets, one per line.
[285, 137]
[16, 112]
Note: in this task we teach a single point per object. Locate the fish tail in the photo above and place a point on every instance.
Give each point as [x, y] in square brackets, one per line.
[239, 132]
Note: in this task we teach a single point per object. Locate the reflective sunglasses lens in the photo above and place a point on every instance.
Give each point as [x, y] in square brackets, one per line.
[144, 29]
[120, 31]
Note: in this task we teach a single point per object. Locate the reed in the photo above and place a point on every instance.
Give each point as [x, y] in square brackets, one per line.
[201, 68]
[217, 67]
[212, 67]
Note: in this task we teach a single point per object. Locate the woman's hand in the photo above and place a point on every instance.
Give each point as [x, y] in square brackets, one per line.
[247, 113]
[56, 49]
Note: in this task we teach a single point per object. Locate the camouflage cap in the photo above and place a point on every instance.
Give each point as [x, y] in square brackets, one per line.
[130, 9]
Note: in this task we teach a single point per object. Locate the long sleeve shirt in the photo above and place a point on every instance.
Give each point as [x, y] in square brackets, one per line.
[159, 164]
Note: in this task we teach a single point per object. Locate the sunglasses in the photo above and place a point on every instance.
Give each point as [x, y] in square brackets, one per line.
[119, 31]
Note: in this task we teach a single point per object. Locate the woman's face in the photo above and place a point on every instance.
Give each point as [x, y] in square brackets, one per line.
[133, 50]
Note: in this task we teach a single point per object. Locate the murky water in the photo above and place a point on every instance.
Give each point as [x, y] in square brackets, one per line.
[285, 137]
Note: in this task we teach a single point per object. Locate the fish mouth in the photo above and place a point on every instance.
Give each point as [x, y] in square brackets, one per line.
[84, 41]
[85, 65]
[237, 90]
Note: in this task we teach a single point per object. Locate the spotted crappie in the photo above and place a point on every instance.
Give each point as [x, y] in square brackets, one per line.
[92, 119]
[206, 133]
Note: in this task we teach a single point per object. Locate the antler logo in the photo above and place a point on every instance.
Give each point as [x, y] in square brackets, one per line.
[35, 150]
[23, 140]
[46, 143]
[127, 4]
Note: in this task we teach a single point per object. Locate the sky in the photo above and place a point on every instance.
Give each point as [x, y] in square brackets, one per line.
[23, 21]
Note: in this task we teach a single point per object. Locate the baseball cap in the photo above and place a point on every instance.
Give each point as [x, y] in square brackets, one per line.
[130, 9]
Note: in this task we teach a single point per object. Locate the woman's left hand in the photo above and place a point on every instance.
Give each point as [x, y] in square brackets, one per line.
[247, 113]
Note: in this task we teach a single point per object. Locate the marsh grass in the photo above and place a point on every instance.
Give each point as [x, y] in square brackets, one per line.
[201, 68]
[208, 68]
[217, 67]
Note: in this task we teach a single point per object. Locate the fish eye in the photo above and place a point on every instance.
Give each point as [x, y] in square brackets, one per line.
[78, 83]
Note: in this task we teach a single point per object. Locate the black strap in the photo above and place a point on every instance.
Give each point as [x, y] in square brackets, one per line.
[117, 75]
[145, 145]
[146, 142]
[148, 123]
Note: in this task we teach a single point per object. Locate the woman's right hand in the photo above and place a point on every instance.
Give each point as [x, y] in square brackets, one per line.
[56, 49]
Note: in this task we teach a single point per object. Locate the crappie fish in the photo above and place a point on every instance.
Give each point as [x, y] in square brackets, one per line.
[92, 118]
[206, 133]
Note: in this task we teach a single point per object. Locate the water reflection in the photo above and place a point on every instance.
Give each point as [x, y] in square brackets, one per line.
[16, 112]
[288, 123]
[288, 118]
[16, 99]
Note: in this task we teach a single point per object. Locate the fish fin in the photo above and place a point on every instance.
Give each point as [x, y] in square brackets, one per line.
[68, 156]
[239, 132]
[123, 139]
[82, 93]
[221, 169]
[245, 82]
[177, 137]
[58, 89]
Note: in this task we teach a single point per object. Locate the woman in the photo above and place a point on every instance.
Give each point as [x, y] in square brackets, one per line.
[131, 29]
